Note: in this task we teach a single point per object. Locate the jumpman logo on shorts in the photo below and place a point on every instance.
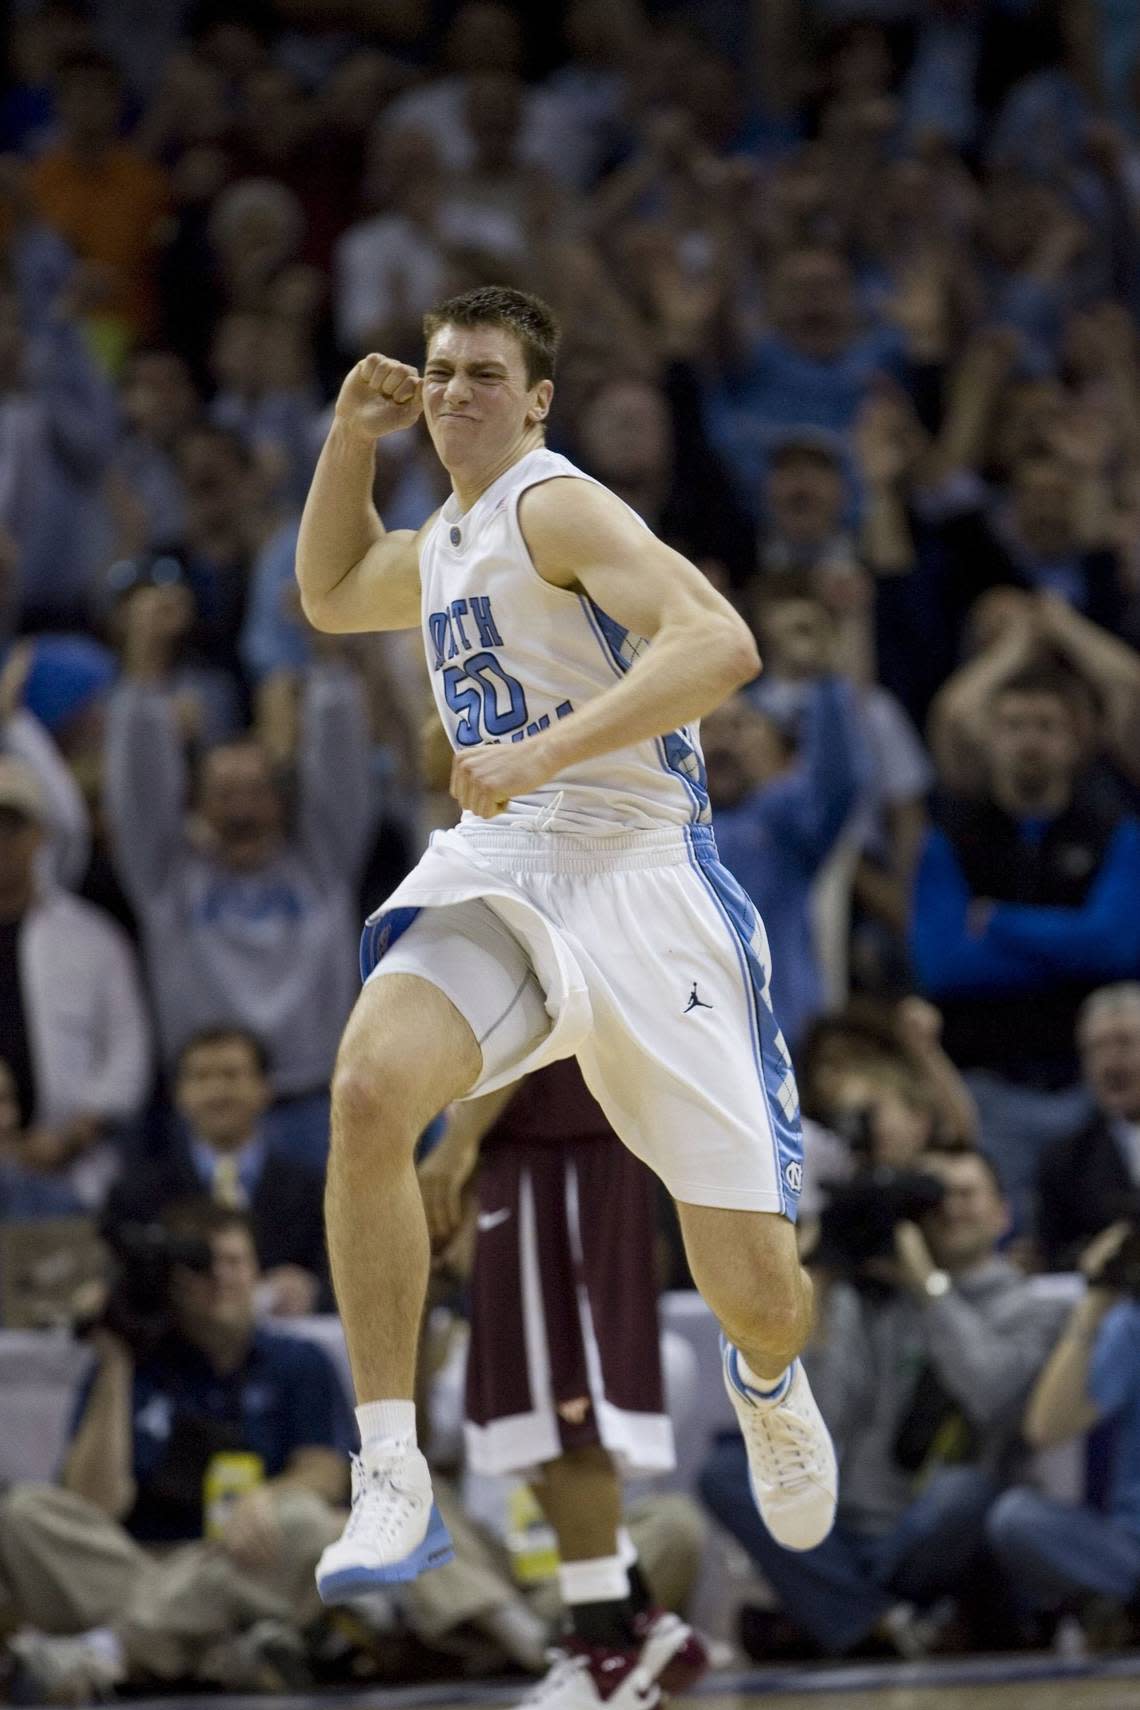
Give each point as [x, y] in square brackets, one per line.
[695, 1002]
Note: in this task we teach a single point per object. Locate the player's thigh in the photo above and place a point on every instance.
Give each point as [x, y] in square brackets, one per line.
[406, 1052]
[685, 1057]
[453, 1004]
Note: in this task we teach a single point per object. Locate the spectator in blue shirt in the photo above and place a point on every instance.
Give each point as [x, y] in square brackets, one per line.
[779, 807]
[1056, 1555]
[1025, 901]
[815, 368]
[223, 1437]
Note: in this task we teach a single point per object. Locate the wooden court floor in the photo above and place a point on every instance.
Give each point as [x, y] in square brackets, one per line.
[1014, 1695]
[1016, 1684]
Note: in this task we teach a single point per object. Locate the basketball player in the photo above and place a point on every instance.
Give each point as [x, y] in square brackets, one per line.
[578, 908]
[564, 1380]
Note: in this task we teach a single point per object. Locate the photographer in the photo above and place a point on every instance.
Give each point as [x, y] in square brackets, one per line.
[215, 1435]
[927, 1343]
[1055, 1554]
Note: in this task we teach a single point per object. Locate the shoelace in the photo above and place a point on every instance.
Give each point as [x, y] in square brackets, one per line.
[785, 1446]
[372, 1486]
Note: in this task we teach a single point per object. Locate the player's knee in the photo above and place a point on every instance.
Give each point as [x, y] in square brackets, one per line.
[372, 1110]
[773, 1314]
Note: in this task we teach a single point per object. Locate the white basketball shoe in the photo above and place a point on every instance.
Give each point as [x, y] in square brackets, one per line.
[791, 1458]
[394, 1533]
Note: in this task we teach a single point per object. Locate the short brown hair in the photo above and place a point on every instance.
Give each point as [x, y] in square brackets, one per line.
[223, 1033]
[527, 317]
[197, 1217]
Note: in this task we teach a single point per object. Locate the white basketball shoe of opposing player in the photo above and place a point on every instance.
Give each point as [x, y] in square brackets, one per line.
[791, 1458]
[394, 1532]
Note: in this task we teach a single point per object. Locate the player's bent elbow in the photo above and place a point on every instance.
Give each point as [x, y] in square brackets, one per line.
[740, 654]
[316, 610]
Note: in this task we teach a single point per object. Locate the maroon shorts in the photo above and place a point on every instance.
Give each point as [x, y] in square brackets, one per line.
[565, 1346]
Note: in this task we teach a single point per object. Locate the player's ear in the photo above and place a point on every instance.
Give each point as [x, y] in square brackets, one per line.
[540, 408]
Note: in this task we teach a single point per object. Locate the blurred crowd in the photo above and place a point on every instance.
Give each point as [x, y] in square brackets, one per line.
[849, 291]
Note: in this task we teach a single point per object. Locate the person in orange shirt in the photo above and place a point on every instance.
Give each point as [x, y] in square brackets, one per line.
[104, 197]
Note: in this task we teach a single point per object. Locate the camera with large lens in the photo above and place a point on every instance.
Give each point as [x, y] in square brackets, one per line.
[858, 1222]
[138, 1306]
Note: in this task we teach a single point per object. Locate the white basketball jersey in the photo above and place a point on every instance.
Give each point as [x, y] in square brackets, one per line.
[509, 654]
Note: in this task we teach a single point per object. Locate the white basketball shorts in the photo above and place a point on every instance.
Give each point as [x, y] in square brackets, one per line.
[640, 955]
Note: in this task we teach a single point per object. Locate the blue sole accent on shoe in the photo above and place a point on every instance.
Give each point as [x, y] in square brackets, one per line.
[434, 1552]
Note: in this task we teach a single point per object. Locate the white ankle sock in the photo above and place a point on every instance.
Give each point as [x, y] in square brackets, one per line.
[603, 1580]
[764, 1387]
[392, 1423]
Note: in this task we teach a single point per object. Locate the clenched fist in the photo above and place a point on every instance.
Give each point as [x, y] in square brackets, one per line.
[380, 396]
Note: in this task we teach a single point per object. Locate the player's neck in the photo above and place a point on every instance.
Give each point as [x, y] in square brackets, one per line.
[470, 481]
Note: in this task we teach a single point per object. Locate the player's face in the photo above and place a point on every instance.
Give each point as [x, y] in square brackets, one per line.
[477, 403]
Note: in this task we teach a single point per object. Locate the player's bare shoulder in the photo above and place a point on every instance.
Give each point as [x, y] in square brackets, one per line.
[570, 524]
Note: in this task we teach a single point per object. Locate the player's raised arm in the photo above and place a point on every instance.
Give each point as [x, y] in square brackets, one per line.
[354, 575]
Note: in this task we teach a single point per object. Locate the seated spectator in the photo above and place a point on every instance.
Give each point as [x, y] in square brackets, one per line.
[1025, 898]
[1091, 1178]
[221, 1095]
[900, 1047]
[888, 1094]
[923, 1436]
[1057, 1556]
[244, 917]
[103, 196]
[73, 1027]
[221, 1437]
[778, 814]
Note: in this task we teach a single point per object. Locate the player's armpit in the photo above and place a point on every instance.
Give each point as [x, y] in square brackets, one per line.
[381, 591]
[584, 539]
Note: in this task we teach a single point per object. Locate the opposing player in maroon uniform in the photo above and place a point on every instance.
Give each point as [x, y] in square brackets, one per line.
[564, 1383]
